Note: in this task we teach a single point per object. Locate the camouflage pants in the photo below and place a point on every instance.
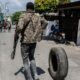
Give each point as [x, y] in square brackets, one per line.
[27, 51]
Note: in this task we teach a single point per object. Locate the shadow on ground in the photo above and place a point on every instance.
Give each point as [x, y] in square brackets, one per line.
[22, 70]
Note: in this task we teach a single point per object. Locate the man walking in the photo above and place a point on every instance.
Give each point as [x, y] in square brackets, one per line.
[30, 26]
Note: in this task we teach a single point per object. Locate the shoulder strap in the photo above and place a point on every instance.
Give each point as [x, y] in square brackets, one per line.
[24, 28]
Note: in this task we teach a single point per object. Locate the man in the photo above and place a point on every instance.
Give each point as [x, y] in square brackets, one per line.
[0, 26]
[9, 26]
[30, 26]
[5, 25]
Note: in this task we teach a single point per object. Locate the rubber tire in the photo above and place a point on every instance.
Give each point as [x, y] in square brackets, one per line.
[58, 63]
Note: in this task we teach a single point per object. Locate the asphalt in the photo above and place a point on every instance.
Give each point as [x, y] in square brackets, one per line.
[9, 67]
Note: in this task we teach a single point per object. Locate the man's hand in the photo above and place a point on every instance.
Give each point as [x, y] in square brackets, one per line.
[13, 54]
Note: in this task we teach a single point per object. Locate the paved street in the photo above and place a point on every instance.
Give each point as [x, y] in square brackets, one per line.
[8, 68]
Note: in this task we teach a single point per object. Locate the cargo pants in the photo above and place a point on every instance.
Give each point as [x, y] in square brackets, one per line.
[27, 51]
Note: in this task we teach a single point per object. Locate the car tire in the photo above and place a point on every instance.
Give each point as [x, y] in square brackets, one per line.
[58, 63]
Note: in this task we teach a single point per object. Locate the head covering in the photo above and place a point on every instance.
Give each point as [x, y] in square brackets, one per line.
[30, 5]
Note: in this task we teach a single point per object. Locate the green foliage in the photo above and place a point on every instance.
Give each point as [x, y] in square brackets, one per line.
[15, 16]
[45, 5]
[48, 5]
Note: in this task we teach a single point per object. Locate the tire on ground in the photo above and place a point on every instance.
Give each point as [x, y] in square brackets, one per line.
[58, 63]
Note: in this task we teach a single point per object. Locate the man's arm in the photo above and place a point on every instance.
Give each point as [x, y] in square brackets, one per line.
[19, 26]
[40, 29]
[44, 22]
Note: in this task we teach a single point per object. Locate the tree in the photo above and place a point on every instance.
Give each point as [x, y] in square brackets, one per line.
[45, 5]
[15, 16]
[48, 5]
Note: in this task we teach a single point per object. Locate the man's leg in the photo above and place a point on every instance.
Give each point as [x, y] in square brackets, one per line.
[25, 56]
[32, 61]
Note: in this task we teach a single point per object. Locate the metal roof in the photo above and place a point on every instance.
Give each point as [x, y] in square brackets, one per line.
[72, 5]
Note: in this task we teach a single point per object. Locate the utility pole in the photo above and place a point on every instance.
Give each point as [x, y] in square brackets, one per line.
[1, 14]
[6, 9]
[1, 7]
